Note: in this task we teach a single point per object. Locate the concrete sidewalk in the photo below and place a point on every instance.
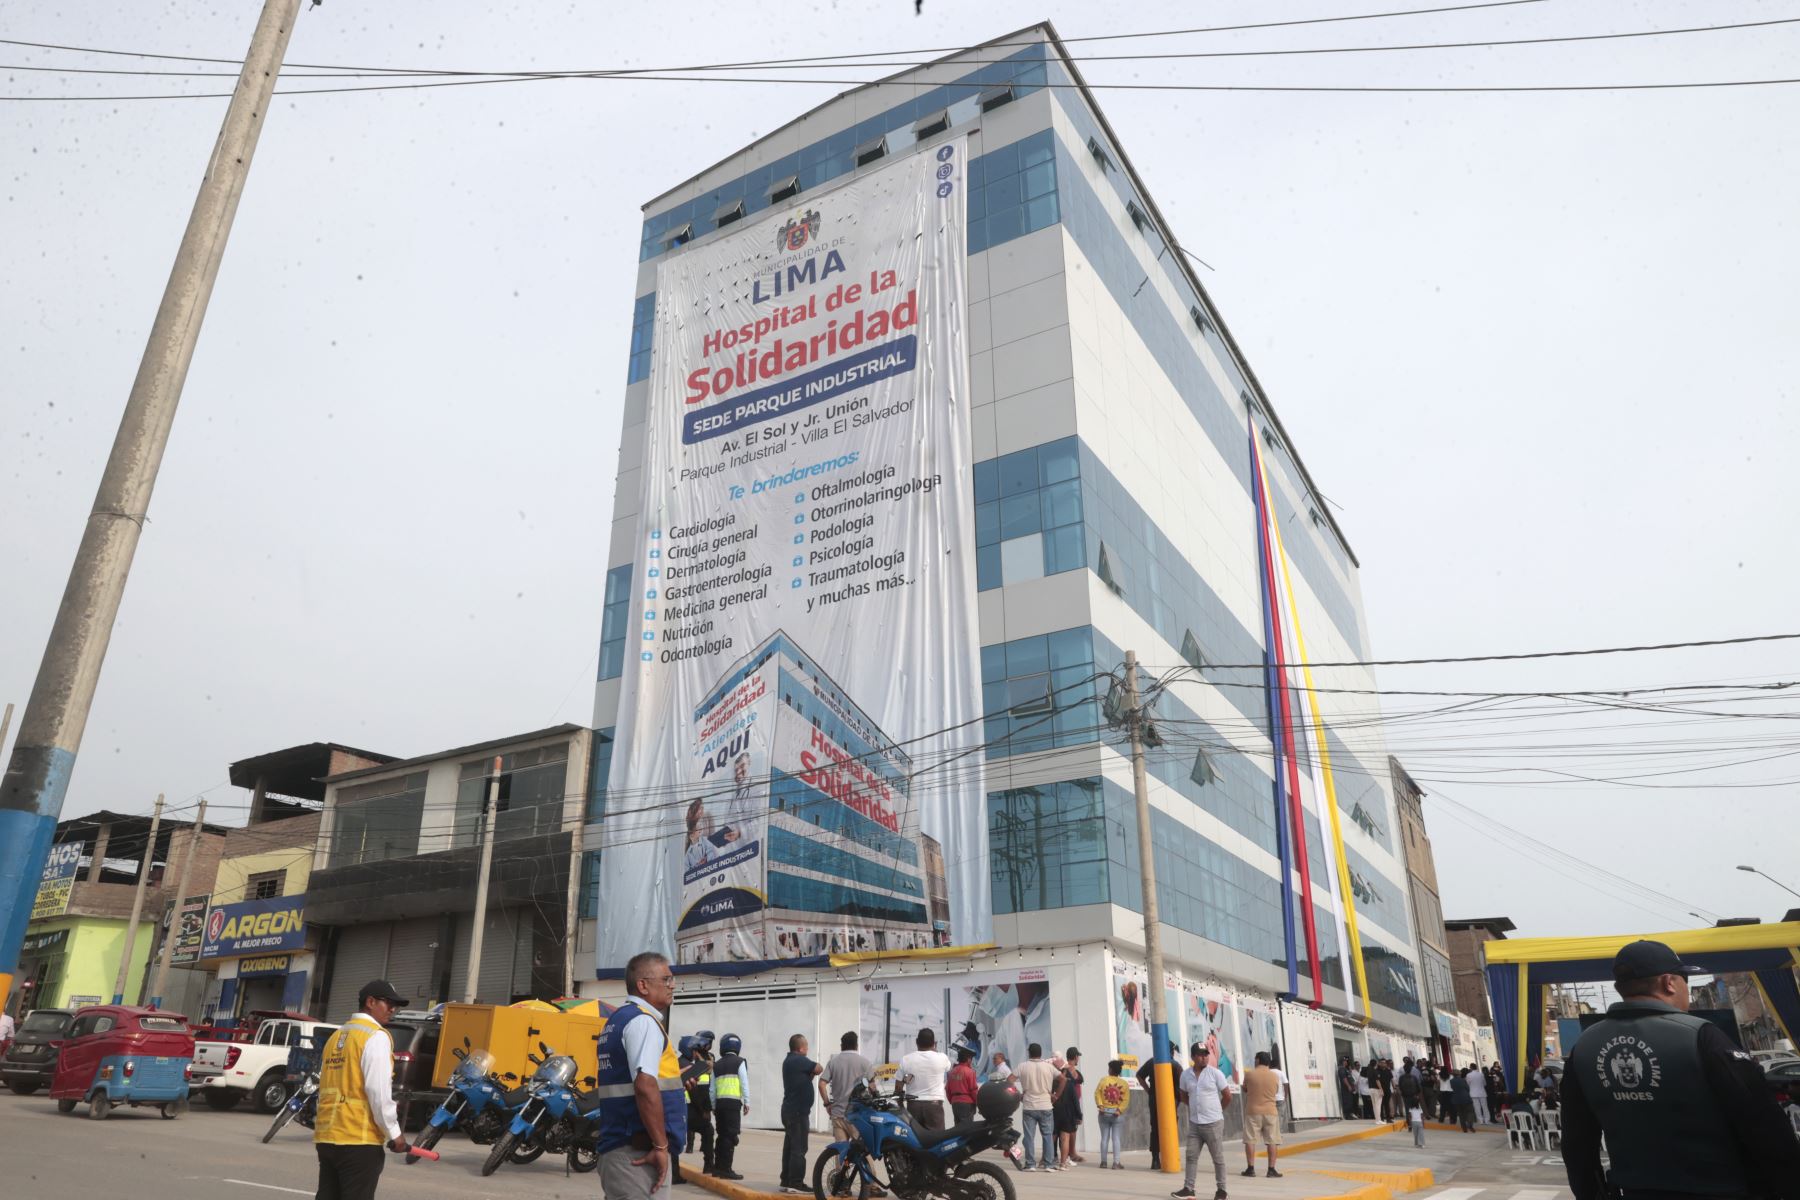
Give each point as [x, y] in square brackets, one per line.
[1356, 1160]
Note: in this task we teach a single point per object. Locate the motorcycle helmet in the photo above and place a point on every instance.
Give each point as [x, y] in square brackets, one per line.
[731, 1043]
[704, 1038]
[686, 1045]
[998, 1099]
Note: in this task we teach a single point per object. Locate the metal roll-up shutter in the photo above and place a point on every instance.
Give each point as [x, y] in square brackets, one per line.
[500, 978]
[524, 952]
[410, 954]
[362, 952]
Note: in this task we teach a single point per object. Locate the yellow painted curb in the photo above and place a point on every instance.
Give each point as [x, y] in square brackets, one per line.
[1447, 1128]
[1335, 1140]
[1378, 1185]
[725, 1187]
[1369, 1191]
[1398, 1182]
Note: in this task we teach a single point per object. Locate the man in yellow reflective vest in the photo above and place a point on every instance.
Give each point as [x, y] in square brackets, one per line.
[643, 1104]
[356, 1098]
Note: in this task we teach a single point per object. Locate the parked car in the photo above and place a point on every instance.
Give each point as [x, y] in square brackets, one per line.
[119, 1054]
[30, 1059]
[257, 1068]
[416, 1036]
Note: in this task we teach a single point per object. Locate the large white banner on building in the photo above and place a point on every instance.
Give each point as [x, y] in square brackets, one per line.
[797, 770]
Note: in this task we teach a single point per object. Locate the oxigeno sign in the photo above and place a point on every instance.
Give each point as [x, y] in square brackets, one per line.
[255, 926]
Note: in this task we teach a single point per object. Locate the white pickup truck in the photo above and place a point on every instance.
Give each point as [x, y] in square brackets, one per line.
[256, 1068]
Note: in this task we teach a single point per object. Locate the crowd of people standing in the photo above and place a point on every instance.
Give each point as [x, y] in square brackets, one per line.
[1465, 1096]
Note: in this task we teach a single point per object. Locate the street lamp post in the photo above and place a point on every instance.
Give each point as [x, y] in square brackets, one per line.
[1784, 887]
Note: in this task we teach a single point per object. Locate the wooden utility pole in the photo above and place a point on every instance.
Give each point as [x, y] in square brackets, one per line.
[137, 905]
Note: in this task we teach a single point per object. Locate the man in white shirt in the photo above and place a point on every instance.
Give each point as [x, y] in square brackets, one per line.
[356, 1115]
[1001, 1068]
[7, 1028]
[1478, 1094]
[922, 1074]
[1207, 1094]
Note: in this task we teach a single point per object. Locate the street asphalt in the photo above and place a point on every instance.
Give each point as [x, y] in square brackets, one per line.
[206, 1155]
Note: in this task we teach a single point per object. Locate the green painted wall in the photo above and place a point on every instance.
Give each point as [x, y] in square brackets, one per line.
[91, 963]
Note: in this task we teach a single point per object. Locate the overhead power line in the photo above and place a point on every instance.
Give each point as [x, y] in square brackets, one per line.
[1533, 654]
[823, 58]
[1371, 89]
[831, 62]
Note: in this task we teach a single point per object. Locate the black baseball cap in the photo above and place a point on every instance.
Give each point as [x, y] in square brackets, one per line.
[380, 989]
[1647, 960]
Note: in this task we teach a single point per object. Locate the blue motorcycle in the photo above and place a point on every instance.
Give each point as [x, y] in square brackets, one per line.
[479, 1102]
[932, 1163]
[552, 1118]
[302, 1106]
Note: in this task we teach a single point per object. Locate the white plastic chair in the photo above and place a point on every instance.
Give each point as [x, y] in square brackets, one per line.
[1521, 1130]
[1793, 1113]
[1552, 1131]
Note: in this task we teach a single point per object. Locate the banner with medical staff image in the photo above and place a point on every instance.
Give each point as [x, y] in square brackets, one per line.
[988, 1013]
[797, 768]
[1132, 1012]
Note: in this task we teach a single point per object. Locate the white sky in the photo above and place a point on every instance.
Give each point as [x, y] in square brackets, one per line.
[1538, 348]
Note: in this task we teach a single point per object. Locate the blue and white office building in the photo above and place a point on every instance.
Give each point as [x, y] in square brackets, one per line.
[1112, 419]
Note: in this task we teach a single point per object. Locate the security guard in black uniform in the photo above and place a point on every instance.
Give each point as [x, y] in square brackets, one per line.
[696, 1073]
[1684, 1112]
[730, 1103]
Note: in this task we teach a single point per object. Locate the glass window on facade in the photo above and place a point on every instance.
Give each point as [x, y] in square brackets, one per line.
[1047, 846]
[374, 822]
[590, 884]
[1012, 191]
[643, 320]
[530, 802]
[602, 772]
[836, 155]
[1028, 513]
[1040, 692]
[615, 622]
[1392, 980]
[1074, 842]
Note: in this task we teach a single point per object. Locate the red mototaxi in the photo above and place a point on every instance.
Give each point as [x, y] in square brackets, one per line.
[121, 1054]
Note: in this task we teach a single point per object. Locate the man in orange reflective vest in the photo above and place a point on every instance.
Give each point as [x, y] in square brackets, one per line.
[357, 1117]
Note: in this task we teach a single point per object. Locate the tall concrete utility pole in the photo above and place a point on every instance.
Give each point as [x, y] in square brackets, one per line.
[137, 906]
[472, 979]
[1163, 1073]
[37, 775]
[174, 935]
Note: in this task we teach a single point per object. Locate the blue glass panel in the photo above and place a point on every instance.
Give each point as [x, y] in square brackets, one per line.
[987, 568]
[1059, 460]
[1039, 180]
[987, 480]
[1005, 226]
[1061, 503]
[1002, 162]
[993, 662]
[1019, 515]
[1004, 192]
[987, 523]
[1027, 656]
[1071, 648]
[1018, 472]
[1040, 213]
[1038, 149]
[1063, 550]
